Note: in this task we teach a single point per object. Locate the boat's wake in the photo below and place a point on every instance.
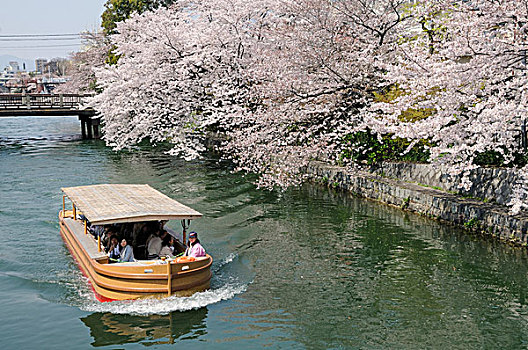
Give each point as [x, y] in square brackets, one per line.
[225, 261]
[224, 287]
[166, 305]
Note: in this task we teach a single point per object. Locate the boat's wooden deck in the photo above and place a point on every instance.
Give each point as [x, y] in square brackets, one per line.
[87, 241]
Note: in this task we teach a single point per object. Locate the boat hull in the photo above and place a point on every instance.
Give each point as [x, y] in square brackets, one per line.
[145, 279]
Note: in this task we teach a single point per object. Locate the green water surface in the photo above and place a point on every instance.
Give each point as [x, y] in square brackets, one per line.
[308, 268]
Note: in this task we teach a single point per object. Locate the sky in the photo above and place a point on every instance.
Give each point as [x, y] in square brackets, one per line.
[25, 17]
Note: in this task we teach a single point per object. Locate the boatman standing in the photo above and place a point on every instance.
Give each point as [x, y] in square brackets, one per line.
[194, 249]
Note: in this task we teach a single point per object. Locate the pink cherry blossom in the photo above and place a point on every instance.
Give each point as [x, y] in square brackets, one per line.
[286, 80]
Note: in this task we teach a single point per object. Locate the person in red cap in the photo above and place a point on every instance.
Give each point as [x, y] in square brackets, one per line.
[194, 249]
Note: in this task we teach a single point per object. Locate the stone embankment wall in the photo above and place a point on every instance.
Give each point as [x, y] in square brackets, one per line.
[489, 184]
[410, 186]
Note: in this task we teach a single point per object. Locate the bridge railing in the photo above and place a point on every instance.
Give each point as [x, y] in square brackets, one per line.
[44, 101]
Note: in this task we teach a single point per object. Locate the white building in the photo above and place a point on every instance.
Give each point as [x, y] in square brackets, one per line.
[13, 66]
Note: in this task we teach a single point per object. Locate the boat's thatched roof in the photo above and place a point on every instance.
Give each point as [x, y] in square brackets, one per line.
[109, 204]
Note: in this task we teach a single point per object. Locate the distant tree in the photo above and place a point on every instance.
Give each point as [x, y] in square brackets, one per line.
[63, 66]
[120, 10]
[83, 64]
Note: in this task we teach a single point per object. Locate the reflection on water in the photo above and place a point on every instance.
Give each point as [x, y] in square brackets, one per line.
[109, 329]
[344, 273]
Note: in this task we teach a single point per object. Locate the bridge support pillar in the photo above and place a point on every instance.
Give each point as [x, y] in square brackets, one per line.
[89, 127]
[83, 129]
[96, 130]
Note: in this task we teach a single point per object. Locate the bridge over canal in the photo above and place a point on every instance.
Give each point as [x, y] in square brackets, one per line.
[13, 105]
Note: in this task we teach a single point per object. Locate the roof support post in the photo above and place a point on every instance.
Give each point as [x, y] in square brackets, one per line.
[63, 206]
[185, 226]
[169, 278]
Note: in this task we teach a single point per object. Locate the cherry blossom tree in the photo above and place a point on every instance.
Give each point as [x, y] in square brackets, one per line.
[316, 69]
[284, 79]
[287, 80]
[179, 72]
[466, 63]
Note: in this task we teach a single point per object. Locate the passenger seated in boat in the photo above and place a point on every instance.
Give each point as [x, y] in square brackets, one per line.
[152, 235]
[154, 245]
[127, 254]
[194, 249]
[107, 239]
[166, 244]
[161, 224]
[114, 251]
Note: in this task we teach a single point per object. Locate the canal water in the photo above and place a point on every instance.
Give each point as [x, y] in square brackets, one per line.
[308, 268]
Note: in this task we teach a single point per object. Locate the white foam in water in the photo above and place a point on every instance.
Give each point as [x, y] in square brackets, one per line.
[166, 305]
[229, 258]
[226, 260]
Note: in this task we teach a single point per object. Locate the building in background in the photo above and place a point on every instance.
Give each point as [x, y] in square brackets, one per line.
[48, 75]
[56, 66]
[39, 65]
[5, 77]
[13, 66]
[8, 75]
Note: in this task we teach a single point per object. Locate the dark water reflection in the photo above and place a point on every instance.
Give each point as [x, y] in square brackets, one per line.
[378, 276]
[109, 329]
[307, 268]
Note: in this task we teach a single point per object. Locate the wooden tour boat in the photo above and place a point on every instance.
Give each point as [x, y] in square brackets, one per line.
[128, 204]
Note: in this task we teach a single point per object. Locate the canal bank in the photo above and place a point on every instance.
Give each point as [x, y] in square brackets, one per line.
[429, 191]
